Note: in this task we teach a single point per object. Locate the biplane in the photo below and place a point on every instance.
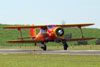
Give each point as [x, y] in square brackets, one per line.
[48, 33]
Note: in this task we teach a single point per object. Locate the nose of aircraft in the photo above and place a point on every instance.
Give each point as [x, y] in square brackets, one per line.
[59, 32]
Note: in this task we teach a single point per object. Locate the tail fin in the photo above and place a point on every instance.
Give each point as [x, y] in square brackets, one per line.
[33, 32]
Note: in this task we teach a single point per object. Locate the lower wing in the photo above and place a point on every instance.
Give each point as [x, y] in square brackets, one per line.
[26, 41]
[79, 39]
[39, 41]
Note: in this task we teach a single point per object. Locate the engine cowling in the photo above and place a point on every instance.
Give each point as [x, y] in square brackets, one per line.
[59, 32]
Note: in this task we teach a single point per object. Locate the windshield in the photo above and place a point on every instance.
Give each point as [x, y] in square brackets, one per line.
[51, 26]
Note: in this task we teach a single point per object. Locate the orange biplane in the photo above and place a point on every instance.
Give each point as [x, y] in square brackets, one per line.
[48, 33]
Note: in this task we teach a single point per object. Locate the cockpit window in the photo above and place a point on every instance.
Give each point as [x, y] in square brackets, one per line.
[51, 26]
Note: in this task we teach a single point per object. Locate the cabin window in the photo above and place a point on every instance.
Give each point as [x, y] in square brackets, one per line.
[51, 26]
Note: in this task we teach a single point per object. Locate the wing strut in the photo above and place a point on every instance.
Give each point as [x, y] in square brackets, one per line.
[20, 34]
[81, 31]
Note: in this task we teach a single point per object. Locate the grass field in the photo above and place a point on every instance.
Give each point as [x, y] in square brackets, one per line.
[81, 47]
[38, 60]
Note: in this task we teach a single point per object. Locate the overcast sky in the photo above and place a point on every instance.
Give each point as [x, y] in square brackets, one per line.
[42, 12]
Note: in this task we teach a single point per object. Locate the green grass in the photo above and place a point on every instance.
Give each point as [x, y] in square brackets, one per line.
[85, 47]
[81, 47]
[38, 60]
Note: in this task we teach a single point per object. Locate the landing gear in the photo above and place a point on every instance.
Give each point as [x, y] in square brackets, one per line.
[35, 44]
[44, 47]
[65, 45]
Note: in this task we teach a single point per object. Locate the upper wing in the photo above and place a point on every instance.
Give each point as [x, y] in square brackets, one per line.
[24, 27]
[76, 25]
[41, 26]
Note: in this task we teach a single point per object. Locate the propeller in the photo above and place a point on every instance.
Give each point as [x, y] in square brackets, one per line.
[66, 35]
[63, 23]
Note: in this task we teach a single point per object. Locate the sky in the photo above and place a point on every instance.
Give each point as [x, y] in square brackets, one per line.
[43, 12]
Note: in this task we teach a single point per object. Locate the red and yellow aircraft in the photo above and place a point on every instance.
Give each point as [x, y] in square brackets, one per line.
[48, 33]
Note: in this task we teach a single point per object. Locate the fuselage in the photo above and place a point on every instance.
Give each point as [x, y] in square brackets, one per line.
[51, 32]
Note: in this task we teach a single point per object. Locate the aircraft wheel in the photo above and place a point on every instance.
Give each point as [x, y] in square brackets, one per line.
[35, 44]
[44, 47]
[65, 46]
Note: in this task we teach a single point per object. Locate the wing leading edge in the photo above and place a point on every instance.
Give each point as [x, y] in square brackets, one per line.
[39, 41]
[24, 27]
[41, 26]
[76, 25]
